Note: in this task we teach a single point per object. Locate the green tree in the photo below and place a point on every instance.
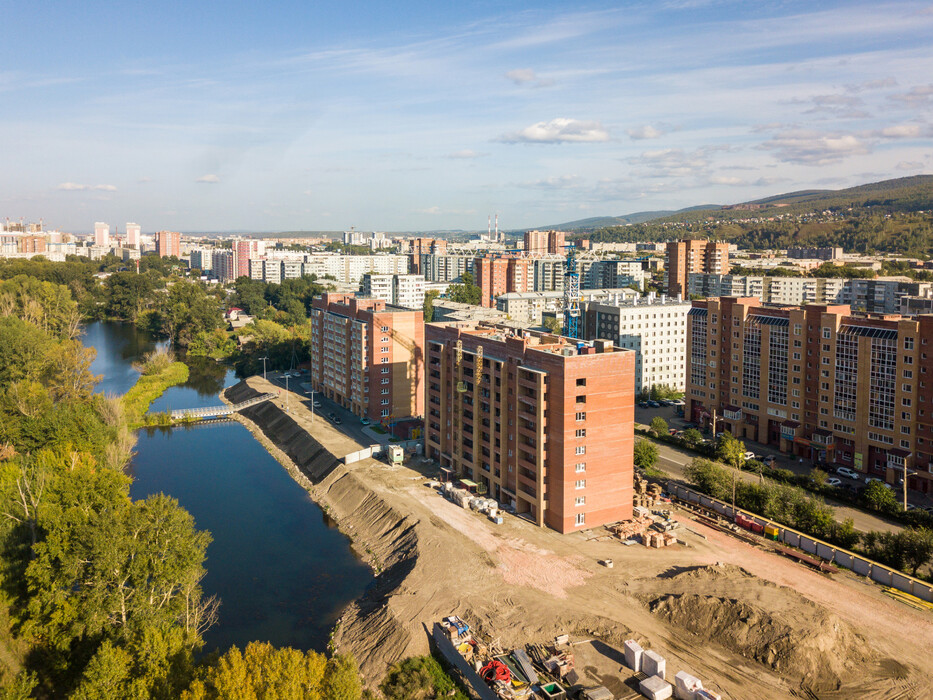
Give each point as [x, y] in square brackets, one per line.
[710, 478]
[419, 678]
[659, 425]
[186, 311]
[692, 436]
[917, 546]
[730, 450]
[879, 497]
[552, 324]
[128, 294]
[466, 292]
[262, 672]
[342, 679]
[818, 477]
[429, 298]
[645, 454]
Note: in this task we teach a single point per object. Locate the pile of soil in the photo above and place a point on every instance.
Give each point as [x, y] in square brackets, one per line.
[771, 624]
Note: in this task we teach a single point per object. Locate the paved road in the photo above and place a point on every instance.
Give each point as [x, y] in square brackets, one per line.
[349, 424]
[673, 460]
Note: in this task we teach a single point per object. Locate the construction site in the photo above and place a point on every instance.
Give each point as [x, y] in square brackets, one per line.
[709, 610]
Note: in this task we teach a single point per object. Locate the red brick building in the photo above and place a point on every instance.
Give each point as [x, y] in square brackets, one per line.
[546, 427]
[817, 381]
[168, 243]
[499, 275]
[368, 356]
[688, 256]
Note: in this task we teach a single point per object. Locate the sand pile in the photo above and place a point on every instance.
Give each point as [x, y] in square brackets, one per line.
[773, 625]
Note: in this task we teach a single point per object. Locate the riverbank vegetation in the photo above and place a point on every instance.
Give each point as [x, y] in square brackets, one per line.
[158, 371]
[100, 595]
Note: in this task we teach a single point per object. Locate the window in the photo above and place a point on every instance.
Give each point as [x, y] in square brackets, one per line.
[581, 399]
[908, 359]
[385, 360]
[385, 413]
[581, 381]
[908, 343]
[385, 329]
[908, 374]
[385, 370]
[905, 444]
[580, 519]
[905, 402]
[384, 380]
[580, 501]
[581, 415]
[580, 484]
[581, 432]
[384, 392]
[827, 332]
[581, 449]
[581, 467]
[906, 387]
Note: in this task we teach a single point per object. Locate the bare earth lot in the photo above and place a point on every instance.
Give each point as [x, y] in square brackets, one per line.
[750, 624]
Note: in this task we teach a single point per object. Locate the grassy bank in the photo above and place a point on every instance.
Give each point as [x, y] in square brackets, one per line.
[150, 387]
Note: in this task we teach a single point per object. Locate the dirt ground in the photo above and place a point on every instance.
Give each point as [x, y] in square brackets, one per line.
[749, 623]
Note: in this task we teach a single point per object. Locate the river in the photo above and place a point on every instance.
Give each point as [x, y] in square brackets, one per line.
[283, 573]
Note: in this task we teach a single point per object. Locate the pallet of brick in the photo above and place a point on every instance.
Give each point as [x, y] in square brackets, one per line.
[655, 688]
[633, 654]
[653, 664]
[686, 686]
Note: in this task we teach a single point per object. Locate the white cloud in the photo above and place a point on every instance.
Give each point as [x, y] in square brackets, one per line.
[521, 76]
[806, 147]
[901, 131]
[644, 132]
[465, 154]
[557, 182]
[872, 85]
[726, 180]
[435, 210]
[910, 165]
[76, 187]
[560, 130]
[209, 179]
[917, 95]
[673, 162]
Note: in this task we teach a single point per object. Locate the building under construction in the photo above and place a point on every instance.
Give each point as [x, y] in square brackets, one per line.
[537, 421]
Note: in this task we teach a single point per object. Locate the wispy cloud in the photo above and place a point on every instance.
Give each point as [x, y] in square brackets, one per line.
[522, 76]
[918, 95]
[910, 165]
[644, 132]
[808, 147]
[209, 179]
[466, 154]
[76, 187]
[560, 130]
[557, 182]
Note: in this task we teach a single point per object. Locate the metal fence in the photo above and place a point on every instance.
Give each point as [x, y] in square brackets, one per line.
[828, 552]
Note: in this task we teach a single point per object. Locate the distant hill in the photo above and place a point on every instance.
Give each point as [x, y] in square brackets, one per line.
[639, 217]
[901, 194]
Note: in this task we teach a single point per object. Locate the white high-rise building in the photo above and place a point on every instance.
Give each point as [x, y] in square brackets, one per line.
[101, 234]
[406, 291]
[132, 235]
[655, 328]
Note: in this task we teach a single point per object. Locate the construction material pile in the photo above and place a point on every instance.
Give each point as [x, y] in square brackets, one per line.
[646, 495]
[654, 668]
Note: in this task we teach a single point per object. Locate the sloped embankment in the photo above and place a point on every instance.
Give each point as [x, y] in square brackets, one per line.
[380, 535]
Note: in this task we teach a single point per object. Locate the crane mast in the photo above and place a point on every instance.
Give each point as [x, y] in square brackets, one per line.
[571, 294]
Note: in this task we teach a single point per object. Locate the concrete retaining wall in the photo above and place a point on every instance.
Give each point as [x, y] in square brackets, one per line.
[842, 557]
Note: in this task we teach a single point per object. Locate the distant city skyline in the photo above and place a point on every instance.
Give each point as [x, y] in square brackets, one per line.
[422, 116]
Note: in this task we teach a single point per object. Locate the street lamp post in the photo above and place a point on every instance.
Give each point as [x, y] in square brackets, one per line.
[264, 358]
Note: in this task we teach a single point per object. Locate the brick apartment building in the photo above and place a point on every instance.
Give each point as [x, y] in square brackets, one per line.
[548, 427]
[168, 243]
[368, 356]
[685, 257]
[416, 247]
[545, 242]
[817, 382]
[500, 275]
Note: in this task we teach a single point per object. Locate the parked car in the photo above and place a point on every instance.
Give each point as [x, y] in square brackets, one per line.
[654, 404]
[337, 421]
[749, 455]
[643, 404]
[365, 421]
[834, 482]
[678, 402]
[869, 479]
[317, 404]
[848, 473]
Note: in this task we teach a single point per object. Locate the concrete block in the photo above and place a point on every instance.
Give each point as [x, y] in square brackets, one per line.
[633, 652]
[653, 664]
[686, 686]
[655, 688]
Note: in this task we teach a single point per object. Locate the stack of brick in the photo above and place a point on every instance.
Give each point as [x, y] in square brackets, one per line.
[658, 539]
[631, 528]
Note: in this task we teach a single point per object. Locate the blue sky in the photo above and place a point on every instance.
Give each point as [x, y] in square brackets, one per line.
[432, 115]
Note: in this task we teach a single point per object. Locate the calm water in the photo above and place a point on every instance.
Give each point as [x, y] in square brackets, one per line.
[282, 574]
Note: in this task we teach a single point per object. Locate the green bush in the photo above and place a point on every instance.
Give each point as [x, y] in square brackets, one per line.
[419, 678]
